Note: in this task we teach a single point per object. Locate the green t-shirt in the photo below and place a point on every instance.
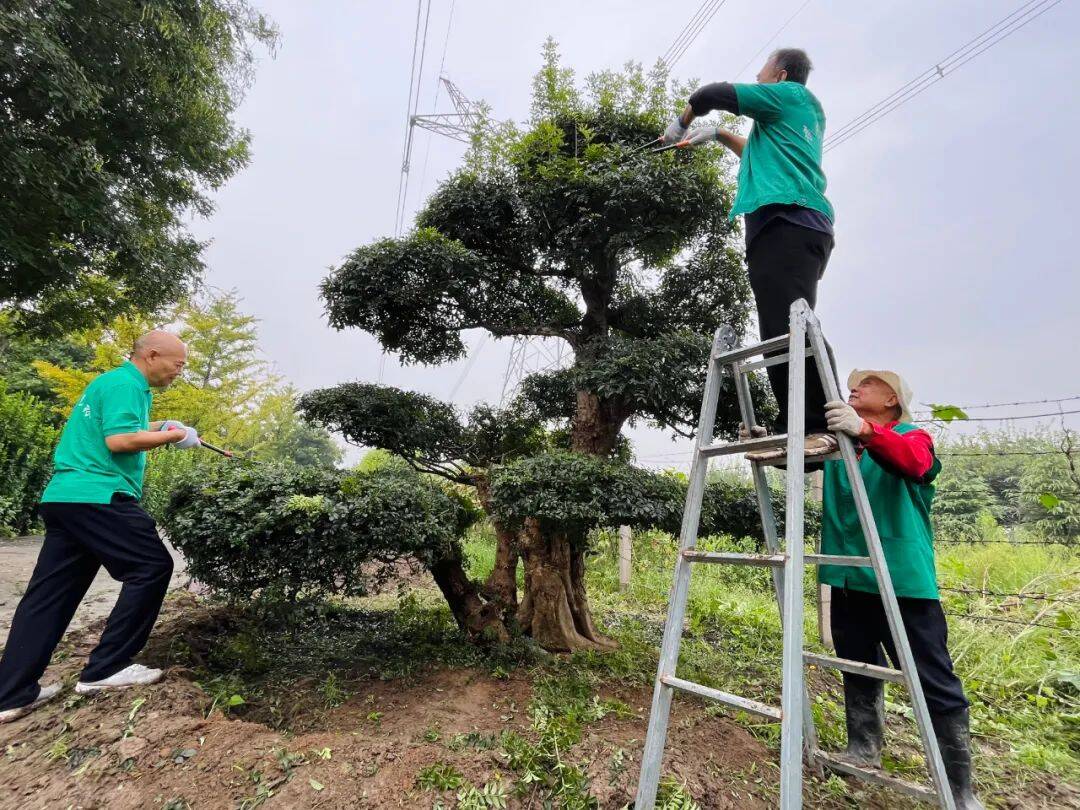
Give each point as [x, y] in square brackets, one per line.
[84, 469]
[901, 510]
[781, 163]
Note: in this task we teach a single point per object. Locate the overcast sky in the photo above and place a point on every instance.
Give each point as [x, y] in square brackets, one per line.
[954, 214]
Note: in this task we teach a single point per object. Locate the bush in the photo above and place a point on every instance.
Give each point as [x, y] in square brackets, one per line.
[572, 493]
[285, 531]
[729, 506]
[27, 439]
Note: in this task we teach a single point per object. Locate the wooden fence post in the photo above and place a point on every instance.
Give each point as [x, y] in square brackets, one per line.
[625, 551]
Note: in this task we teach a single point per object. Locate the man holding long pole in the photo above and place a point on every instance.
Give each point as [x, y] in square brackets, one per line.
[788, 220]
[93, 519]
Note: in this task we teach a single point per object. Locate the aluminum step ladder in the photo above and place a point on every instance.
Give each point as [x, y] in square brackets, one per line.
[798, 736]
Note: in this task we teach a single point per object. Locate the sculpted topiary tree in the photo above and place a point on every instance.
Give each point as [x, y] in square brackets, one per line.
[561, 230]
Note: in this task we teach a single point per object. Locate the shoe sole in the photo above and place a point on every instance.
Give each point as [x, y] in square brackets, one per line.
[11, 715]
[87, 689]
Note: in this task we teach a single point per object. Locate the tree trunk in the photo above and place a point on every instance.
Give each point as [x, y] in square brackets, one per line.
[481, 621]
[554, 610]
[501, 586]
[596, 425]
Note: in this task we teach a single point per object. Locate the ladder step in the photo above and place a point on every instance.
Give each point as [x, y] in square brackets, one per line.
[774, 560]
[770, 345]
[811, 461]
[855, 667]
[750, 445]
[775, 360]
[838, 559]
[728, 699]
[876, 776]
[734, 558]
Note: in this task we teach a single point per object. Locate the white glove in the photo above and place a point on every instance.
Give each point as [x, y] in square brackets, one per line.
[190, 440]
[169, 424]
[674, 133]
[842, 418]
[701, 135]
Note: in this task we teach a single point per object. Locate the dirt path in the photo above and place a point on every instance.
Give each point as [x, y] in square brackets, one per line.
[17, 558]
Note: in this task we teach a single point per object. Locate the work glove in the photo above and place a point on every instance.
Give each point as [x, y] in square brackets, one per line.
[701, 135]
[674, 133]
[756, 432]
[842, 418]
[189, 441]
[172, 424]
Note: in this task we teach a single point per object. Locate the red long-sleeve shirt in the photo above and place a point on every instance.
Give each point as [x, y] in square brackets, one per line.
[909, 455]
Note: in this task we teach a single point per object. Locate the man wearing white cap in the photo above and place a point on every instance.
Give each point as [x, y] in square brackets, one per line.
[898, 467]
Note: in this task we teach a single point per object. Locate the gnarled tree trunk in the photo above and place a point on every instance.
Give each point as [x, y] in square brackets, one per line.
[482, 621]
[554, 610]
[500, 589]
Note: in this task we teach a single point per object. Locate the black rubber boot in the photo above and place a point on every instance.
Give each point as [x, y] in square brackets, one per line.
[954, 740]
[864, 709]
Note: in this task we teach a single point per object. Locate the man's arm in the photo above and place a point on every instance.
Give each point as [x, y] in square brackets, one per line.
[910, 455]
[142, 440]
[716, 96]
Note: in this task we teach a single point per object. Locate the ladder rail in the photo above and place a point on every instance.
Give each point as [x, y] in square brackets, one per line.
[653, 754]
[793, 683]
[768, 529]
[935, 764]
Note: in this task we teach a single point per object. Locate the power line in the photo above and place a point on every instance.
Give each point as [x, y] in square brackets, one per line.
[772, 39]
[435, 102]
[1001, 30]
[413, 105]
[690, 32]
[468, 366]
[956, 453]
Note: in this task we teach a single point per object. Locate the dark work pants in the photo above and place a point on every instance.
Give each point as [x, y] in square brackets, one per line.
[79, 539]
[860, 629]
[786, 262]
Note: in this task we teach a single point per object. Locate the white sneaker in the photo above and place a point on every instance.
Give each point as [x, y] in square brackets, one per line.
[134, 675]
[45, 694]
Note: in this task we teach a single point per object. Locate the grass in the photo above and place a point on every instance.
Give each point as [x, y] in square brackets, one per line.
[1023, 681]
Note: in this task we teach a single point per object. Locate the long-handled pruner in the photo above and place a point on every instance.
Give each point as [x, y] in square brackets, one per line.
[670, 146]
[218, 450]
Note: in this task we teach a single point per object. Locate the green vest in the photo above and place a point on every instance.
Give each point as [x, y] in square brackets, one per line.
[781, 163]
[84, 469]
[901, 510]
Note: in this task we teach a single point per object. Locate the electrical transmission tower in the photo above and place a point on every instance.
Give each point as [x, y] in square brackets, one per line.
[529, 356]
[459, 125]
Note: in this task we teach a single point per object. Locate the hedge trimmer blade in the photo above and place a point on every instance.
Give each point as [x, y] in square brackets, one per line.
[670, 146]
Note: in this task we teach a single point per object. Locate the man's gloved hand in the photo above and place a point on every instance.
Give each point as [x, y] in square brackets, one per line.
[842, 418]
[674, 133]
[191, 439]
[172, 424]
[701, 135]
[756, 432]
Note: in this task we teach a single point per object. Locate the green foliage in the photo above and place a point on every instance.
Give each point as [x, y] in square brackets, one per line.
[18, 351]
[562, 231]
[288, 531]
[961, 496]
[947, 413]
[428, 434]
[729, 506]
[117, 124]
[440, 776]
[574, 492]
[27, 438]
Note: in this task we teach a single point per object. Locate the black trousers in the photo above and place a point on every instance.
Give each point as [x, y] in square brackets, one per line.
[786, 262]
[860, 630]
[79, 539]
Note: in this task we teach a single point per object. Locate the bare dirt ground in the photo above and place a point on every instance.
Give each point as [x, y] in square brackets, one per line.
[17, 558]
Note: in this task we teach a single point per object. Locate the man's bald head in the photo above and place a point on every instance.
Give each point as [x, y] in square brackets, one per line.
[160, 356]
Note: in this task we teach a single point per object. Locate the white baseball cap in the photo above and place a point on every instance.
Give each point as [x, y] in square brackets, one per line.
[891, 379]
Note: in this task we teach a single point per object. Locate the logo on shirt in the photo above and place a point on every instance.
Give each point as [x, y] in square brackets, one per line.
[807, 134]
[85, 407]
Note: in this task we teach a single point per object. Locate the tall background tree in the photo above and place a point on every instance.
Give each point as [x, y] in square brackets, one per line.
[561, 230]
[115, 122]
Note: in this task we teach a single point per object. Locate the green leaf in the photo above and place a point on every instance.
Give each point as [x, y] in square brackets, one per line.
[1049, 500]
[234, 700]
[316, 785]
[947, 413]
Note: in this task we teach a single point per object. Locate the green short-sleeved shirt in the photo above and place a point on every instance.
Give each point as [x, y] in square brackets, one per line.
[781, 163]
[84, 469]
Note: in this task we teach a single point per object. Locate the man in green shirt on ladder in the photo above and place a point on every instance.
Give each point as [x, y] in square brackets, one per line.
[788, 220]
[92, 519]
